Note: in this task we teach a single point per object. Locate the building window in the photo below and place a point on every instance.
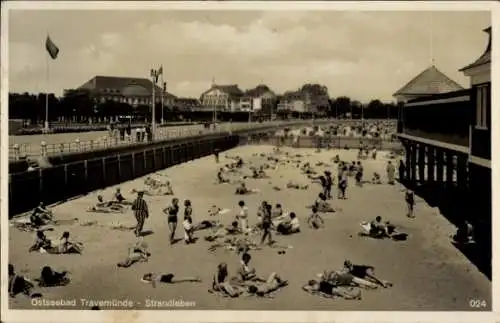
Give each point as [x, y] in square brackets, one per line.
[482, 102]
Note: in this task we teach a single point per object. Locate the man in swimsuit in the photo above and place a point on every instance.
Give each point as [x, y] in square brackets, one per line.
[364, 272]
[105, 207]
[188, 222]
[171, 211]
[220, 178]
[267, 223]
[391, 170]
[328, 184]
[331, 290]
[377, 228]
[169, 278]
[220, 282]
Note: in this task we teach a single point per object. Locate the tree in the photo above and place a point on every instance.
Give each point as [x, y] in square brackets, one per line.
[343, 105]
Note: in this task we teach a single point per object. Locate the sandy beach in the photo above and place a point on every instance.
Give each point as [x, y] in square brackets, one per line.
[428, 273]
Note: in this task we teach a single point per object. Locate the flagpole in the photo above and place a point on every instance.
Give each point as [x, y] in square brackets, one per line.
[47, 79]
[162, 96]
[153, 113]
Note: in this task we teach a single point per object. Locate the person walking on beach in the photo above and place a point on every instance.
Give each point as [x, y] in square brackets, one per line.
[391, 170]
[171, 211]
[141, 211]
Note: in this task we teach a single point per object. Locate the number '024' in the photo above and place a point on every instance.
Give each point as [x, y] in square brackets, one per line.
[477, 303]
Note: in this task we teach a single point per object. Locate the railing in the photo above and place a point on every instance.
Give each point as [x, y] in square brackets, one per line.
[337, 142]
[61, 182]
[17, 151]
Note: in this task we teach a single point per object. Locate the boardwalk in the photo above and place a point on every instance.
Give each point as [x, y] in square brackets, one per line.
[427, 271]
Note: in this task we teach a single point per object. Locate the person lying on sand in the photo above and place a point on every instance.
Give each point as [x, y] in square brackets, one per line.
[378, 230]
[52, 278]
[296, 186]
[315, 220]
[330, 290]
[231, 229]
[289, 226]
[41, 215]
[243, 190]
[105, 207]
[238, 244]
[169, 278]
[344, 278]
[365, 272]
[138, 253]
[18, 284]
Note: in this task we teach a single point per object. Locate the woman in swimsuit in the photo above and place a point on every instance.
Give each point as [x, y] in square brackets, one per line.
[188, 222]
[167, 279]
[171, 212]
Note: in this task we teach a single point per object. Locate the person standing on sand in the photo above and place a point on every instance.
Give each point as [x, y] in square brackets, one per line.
[243, 216]
[410, 203]
[266, 225]
[141, 211]
[216, 155]
[391, 170]
[402, 171]
[171, 211]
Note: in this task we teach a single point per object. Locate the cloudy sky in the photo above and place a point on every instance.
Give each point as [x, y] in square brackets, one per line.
[364, 55]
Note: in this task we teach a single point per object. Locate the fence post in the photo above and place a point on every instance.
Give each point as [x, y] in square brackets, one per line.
[40, 181]
[145, 160]
[85, 165]
[119, 168]
[65, 176]
[154, 159]
[103, 165]
[163, 156]
[133, 165]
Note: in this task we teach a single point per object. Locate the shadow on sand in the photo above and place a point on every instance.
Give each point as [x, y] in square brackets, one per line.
[457, 207]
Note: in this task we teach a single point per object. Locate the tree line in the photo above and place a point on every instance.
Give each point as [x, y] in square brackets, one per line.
[78, 106]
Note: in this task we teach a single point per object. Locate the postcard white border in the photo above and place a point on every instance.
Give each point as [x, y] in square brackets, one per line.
[29, 316]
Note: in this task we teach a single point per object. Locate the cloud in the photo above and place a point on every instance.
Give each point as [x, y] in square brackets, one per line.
[362, 54]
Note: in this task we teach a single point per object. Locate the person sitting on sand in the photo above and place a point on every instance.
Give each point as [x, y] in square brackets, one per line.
[277, 212]
[41, 215]
[220, 178]
[105, 207]
[376, 178]
[18, 284]
[138, 253]
[52, 278]
[330, 290]
[256, 284]
[169, 278]
[364, 272]
[464, 234]
[66, 246]
[315, 220]
[296, 186]
[41, 241]
[322, 205]
[120, 199]
[239, 162]
[336, 159]
[377, 228]
[290, 226]
[214, 210]
[220, 282]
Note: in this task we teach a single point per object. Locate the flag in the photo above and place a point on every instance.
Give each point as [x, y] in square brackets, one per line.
[158, 73]
[51, 48]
